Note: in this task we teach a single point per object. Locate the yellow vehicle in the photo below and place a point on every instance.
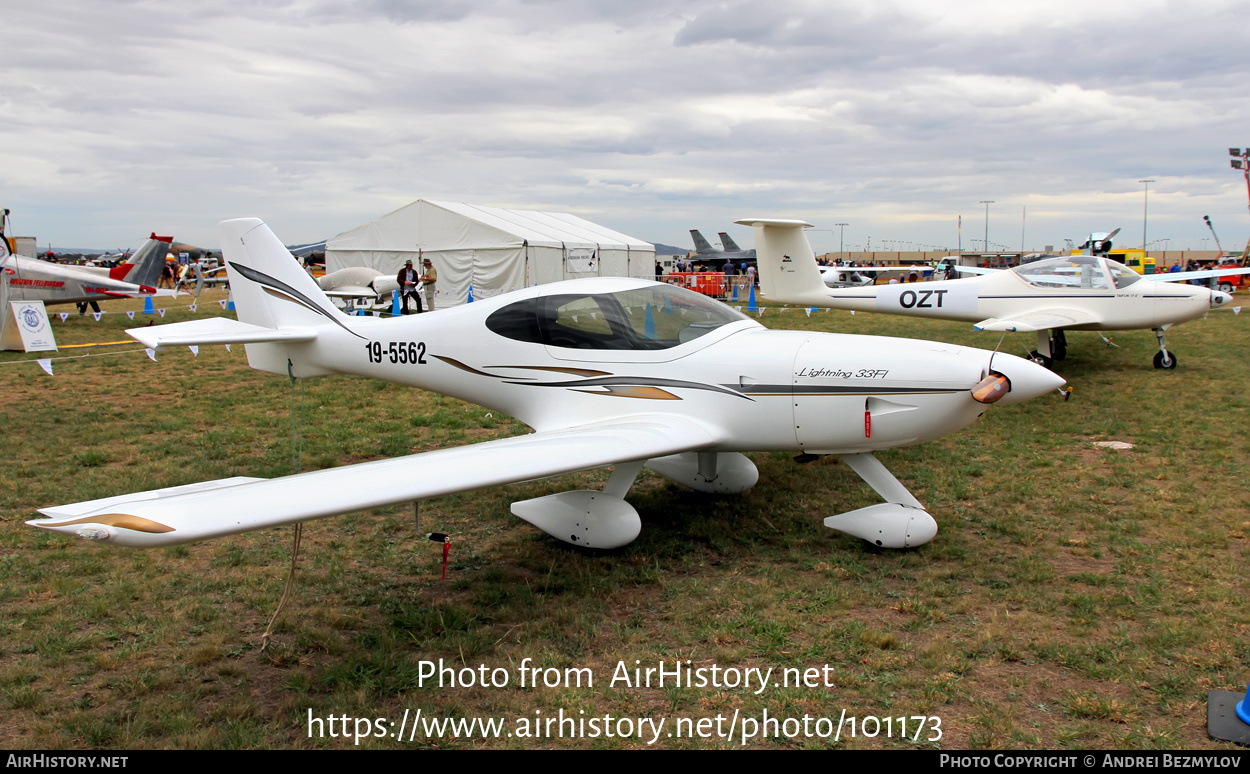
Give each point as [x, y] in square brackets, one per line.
[1131, 257]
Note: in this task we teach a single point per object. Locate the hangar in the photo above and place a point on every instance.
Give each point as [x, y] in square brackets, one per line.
[490, 249]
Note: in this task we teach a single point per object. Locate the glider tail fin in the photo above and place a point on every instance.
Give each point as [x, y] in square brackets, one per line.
[272, 291]
[786, 263]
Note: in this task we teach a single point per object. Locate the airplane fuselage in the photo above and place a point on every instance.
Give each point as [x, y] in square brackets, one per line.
[30, 279]
[1005, 294]
[766, 390]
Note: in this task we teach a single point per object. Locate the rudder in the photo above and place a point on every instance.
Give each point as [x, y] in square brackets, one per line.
[272, 290]
[786, 263]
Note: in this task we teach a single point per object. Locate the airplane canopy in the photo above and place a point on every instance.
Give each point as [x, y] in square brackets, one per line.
[1089, 272]
[645, 318]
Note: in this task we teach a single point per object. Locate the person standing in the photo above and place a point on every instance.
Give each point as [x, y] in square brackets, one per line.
[429, 277]
[407, 279]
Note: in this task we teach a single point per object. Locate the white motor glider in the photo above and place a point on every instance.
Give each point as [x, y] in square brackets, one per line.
[31, 279]
[1078, 292]
[359, 284]
[607, 371]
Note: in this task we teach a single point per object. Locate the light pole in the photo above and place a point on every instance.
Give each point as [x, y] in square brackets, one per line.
[987, 204]
[1144, 203]
[841, 230]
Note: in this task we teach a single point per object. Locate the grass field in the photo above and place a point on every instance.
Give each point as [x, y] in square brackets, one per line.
[1075, 596]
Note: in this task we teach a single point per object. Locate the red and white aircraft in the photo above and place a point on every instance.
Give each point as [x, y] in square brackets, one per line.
[30, 279]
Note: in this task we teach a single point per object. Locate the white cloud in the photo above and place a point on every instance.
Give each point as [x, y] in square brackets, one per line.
[120, 118]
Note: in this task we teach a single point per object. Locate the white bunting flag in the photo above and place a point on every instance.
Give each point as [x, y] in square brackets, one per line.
[227, 347]
[131, 315]
[97, 315]
[737, 309]
[809, 312]
[161, 311]
[223, 303]
[64, 315]
[852, 311]
[195, 350]
[192, 307]
[151, 354]
[1236, 310]
[762, 308]
[45, 364]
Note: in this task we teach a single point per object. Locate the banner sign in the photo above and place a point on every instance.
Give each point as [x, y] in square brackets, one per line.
[31, 321]
[581, 260]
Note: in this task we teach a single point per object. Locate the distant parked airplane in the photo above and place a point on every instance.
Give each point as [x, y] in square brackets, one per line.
[732, 252]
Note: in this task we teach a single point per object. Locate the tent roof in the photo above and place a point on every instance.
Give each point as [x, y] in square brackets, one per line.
[546, 229]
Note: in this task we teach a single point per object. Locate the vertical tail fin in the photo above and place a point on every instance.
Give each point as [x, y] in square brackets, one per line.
[728, 243]
[272, 290]
[147, 262]
[700, 244]
[786, 263]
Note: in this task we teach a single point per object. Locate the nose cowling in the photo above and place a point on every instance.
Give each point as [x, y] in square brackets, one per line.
[1028, 379]
[1220, 299]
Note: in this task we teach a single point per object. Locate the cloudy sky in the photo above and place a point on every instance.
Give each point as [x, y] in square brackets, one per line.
[896, 117]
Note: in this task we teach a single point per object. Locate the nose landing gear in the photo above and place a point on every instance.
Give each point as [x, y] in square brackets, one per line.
[1164, 359]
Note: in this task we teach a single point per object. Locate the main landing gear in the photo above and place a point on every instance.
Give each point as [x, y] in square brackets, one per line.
[900, 522]
[1051, 346]
[1163, 358]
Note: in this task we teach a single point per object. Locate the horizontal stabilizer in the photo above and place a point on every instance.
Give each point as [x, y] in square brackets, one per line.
[1039, 321]
[216, 330]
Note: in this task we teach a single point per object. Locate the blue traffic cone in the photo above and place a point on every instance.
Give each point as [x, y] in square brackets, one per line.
[470, 295]
[751, 304]
[147, 306]
[229, 300]
[396, 310]
[735, 297]
[648, 331]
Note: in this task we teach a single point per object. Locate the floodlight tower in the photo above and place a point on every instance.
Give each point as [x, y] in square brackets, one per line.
[841, 231]
[987, 204]
[1144, 204]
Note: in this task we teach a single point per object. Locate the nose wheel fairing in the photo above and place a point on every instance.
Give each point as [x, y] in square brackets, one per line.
[900, 522]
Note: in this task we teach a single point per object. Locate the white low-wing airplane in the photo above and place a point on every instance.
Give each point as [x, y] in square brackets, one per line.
[1080, 292]
[609, 371]
[31, 279]
[357, 282]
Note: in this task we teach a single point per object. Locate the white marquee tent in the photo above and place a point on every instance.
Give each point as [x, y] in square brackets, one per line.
[492, 250]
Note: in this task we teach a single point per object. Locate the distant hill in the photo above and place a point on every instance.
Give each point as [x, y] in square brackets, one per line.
[661, 249]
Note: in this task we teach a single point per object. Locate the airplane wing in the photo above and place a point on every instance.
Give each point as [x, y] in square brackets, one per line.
[977, 270]
[352, 291]
[1182, 276]
[1039, 321]
[231, 506]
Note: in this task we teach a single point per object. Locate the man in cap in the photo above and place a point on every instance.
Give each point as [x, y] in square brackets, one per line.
[408, 281]
[429, 277]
